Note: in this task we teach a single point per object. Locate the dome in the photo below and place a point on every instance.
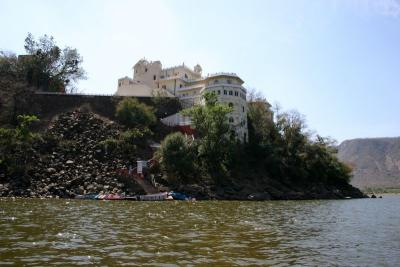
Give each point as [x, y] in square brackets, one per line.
[198, 68]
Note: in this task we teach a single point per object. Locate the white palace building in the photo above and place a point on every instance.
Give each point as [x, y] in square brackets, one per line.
[150, 79]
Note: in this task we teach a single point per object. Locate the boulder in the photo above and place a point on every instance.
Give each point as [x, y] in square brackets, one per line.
[51, 170]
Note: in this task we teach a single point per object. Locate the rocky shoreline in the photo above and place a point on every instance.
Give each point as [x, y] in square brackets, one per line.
[71, 159]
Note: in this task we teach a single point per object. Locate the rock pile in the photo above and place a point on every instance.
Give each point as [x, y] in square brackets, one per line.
[75, 161]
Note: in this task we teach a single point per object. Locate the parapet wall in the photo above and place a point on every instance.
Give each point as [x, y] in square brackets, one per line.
[48, 105]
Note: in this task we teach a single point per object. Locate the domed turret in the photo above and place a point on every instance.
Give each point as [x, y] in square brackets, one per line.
[198, 69]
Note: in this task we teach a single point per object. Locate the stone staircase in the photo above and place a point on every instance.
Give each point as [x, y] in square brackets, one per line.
[140, 180]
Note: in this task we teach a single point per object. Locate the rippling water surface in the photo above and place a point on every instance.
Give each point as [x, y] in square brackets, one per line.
[364, 232]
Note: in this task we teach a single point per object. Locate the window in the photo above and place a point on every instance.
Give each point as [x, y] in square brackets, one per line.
[180, 86]
[119, 84]
[229, 81]
[236, 93]
[230, 93]
[154, 77]
[230, 105]
[216, 81]
[219, 92]
[164, 87]
[186, 76]
[225, 92]
[231, 119]
[243, 108]
[145, 70]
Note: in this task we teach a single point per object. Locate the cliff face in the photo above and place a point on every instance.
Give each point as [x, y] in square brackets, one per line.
[376, 161]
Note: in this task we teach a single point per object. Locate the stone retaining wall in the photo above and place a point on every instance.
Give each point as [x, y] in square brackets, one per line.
[48, 105]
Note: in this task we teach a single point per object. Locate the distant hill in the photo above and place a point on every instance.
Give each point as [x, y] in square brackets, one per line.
[376, 161]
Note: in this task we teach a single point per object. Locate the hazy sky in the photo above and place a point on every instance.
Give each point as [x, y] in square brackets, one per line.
[335, 61]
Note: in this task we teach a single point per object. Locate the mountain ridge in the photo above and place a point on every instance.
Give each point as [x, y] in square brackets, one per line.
[375, 161]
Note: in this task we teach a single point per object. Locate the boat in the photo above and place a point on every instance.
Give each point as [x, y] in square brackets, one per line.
[87, 196]
[113, 197]
[150, 197]
[154, 197]
[178, 196]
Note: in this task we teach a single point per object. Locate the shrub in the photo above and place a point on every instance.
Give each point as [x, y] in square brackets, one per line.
[110, 145]
[177, 158]
[131, 113]
[16, 147]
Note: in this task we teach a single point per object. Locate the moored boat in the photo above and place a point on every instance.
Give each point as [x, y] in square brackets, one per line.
[154, 197]
[149, 197]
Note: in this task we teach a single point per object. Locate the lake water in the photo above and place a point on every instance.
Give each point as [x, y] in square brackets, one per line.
[360, 232]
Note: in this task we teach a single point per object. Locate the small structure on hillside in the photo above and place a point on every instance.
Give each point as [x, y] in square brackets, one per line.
[141, 164]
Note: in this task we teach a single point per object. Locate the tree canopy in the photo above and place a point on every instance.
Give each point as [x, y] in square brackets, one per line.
[177, 158]
[50, 68]
[131, 113]
[45, 66]
[214, 131]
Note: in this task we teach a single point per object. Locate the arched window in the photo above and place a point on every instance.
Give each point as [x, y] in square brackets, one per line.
[230, 105]
[231, 119]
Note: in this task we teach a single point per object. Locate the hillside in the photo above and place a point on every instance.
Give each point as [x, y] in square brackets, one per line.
[81, 152]
[376, 161]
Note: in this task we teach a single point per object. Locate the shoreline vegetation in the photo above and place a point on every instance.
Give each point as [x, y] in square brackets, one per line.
[80, 152]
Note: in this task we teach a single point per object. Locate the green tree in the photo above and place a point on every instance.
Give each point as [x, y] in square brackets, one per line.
[16, 146]
[265, 146]
[131, 113]
[215, 141]
[22, 131]
[177, 157]
[50, 68]
[45, 67]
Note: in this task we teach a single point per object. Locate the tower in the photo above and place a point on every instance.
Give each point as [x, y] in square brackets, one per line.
[198, 69]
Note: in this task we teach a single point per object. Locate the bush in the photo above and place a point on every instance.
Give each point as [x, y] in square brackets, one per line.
[131, 113]
[177, 158]
[110, 145]
[130, 144]
[16, 147]
[136, 136]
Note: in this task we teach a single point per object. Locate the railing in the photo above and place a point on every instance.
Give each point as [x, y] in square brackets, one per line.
[223, 74]
[71, 94]
[224, 85]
